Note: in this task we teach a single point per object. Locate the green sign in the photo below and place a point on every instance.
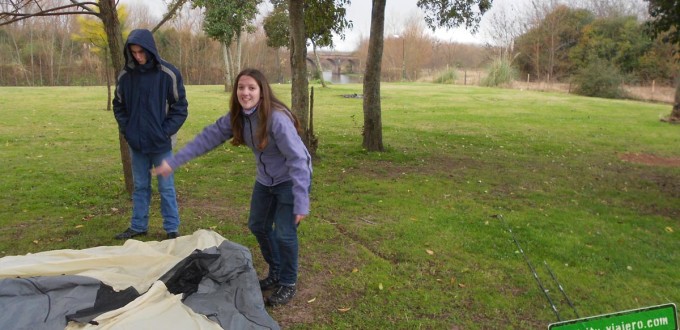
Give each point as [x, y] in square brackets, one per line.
[662, 317]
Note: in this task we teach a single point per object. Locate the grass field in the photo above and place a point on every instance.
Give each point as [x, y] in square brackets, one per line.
[413, 237]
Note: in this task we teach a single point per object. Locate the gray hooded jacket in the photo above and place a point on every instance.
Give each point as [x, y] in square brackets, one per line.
[285, 158]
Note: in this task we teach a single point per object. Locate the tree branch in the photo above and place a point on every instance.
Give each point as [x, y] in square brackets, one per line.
[27, 16]
[171, 12]
[15, 16]
[83, 5]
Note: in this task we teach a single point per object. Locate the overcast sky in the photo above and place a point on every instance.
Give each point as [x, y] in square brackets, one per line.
[397, 12]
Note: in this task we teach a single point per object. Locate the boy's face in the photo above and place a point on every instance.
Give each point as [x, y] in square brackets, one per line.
[138, 53]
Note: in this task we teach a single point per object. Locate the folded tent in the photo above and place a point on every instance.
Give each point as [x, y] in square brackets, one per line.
[200, 281]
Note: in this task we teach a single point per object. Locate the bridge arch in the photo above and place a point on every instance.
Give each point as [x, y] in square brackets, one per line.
[339, 61]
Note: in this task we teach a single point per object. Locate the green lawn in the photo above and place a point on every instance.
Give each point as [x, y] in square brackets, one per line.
[413, 237]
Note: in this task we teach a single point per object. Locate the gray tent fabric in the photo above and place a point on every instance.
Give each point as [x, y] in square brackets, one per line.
[107, 300]
[228, 292]
[213, 286]
[42, 303]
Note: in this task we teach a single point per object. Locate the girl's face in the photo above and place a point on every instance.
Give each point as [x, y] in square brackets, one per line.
[248, 92]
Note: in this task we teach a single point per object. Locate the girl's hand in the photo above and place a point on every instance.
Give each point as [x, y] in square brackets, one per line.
[163, 169]
[298, 218]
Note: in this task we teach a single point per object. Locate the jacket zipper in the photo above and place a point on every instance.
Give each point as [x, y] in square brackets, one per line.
[252, 140]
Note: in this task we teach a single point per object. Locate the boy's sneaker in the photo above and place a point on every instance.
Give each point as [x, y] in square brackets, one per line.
[282, 295]
[129, 233]
[269, 283]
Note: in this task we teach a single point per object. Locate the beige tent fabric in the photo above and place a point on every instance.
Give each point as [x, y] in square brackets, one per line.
[156, 309]
[135, 263]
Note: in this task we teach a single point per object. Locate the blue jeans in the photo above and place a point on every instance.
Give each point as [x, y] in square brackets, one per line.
[141, 197]
[273, 223]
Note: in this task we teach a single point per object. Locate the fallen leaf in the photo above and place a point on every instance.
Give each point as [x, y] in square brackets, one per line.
[311, 301]
[79, 226]
[461, 285]
[380, 286]
[113, 209]
[453, 280]
[355, 270]
[35, 242]
[430, 252]
[669, 229]
[629, 268]
[344, 309]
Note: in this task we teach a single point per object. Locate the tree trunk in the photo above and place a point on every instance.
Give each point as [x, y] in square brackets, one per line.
[227, 68]
[109, 17]
[675, 113]
[108, 91]
[319, 70]
[311, 116]
[372, 134]
[239, 50]
[537, 48]
[298, 65]
[31, 51]
[60, 61]
[279, 71]
[52, 49]
[551, 59]
[21, 64]
[108, 82]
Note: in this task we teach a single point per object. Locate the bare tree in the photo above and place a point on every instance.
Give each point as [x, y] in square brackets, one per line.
[139, 16]
[505, 24]
[417, 47]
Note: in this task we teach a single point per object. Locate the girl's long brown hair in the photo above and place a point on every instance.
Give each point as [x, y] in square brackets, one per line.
[268, 103]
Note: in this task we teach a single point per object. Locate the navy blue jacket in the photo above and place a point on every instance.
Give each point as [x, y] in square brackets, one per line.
[150, 104]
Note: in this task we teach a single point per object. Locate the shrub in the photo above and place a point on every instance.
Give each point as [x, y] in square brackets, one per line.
[501, 72]
[447, 77]
[599, 78]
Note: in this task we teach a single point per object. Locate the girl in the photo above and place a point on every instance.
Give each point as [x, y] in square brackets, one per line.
[280, 198]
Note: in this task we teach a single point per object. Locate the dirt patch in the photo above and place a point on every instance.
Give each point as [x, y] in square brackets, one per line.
[316, 302]
[648, 159]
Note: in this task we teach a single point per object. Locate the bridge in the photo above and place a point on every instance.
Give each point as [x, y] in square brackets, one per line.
[339, 62]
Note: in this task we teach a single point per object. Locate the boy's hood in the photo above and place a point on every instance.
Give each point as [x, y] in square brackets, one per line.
[143, 38]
